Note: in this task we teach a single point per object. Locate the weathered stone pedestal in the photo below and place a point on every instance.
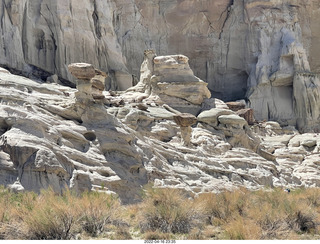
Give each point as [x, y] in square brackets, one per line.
[84, 73]
[185, 121]
[90, 81]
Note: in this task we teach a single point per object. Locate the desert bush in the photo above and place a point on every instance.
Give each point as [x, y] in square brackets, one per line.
[270, 219]
[306, 216]
[163, 214]
[53, 216]
[280, 214]
[221, 208]
[98, 209]
[304, 221]
[10, 201]
[242, 229]
[167, 210]
[10, 204]
[271, 214]
[311, 196]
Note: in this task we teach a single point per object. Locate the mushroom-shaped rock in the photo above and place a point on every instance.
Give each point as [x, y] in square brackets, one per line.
[98, 84]
[185, 120]
[82, 71]
[90, 81]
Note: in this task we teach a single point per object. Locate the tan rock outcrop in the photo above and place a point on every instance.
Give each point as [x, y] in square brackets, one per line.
[98, 84]
[235, 106]
[84, 73]
[169, 80]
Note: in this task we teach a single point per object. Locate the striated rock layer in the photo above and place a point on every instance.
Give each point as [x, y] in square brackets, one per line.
[250, 49]
[51, 136]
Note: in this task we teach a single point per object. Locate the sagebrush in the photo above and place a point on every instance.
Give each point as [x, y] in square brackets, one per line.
[161, 214]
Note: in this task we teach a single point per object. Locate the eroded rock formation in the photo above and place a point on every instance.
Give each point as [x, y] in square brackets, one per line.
[51, 136]
[169, 80]
[243, 49]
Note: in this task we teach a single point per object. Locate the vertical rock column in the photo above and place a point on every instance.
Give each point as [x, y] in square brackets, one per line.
[306, 94]
[185, 121]
[146, 72]
[90, 85]
[84, 73]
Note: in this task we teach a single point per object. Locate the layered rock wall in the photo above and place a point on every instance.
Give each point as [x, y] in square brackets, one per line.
[222, 38]
[242, 49]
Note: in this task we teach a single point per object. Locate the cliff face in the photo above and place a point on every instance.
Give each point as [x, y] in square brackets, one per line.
[109, 34]
[242, 49]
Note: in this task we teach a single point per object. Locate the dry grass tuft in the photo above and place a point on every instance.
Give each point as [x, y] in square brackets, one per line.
[52, 217]
[55, 216]
[221, 208]
[97, 210]
[167, 210]
[242, 229]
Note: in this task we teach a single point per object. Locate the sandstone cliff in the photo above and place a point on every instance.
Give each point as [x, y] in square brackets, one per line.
[242, 49]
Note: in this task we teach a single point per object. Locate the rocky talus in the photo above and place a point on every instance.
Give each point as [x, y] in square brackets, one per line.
[117, 142]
